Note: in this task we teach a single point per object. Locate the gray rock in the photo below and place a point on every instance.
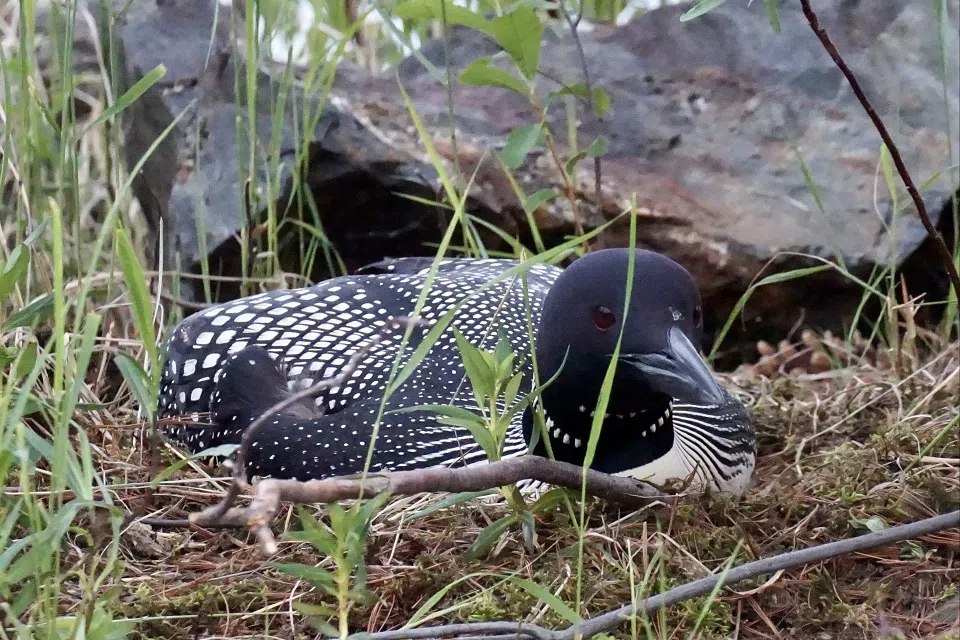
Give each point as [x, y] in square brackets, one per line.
[709, 121]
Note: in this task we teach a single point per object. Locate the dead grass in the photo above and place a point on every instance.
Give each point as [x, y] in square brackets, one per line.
[840, 452]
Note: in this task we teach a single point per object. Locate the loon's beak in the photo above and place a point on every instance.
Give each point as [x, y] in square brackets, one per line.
[678, 371]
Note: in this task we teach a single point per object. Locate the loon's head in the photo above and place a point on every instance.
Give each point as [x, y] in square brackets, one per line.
[667, 416]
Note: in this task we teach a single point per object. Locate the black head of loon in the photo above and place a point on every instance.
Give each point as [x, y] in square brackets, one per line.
[667, 417]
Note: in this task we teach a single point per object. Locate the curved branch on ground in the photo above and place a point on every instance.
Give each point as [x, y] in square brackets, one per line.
[697, 588]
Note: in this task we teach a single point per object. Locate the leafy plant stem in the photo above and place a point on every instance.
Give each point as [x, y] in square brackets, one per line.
[573, 23]
[569, 188]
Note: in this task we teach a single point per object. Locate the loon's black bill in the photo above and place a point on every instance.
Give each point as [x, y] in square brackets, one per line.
[679, 371]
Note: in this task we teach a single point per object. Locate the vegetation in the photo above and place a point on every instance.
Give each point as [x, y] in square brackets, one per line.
[874, 441]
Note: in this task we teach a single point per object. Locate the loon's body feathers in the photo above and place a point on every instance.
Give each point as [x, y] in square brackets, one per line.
[667, 417]
[317, 330]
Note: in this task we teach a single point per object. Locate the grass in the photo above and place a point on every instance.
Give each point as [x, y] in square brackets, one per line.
[871, 441]
[849, 478]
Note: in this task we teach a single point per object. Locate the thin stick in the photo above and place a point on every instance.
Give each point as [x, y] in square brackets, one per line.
[938, 240]
[695, 589]
[271, 492]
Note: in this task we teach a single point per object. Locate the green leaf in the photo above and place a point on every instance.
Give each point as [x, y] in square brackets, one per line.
[136, 378]
[318, 610]
[479, 373]
[338, 521]
[702, 7]
[14, 269]
[37, 310]
[520, 33]
[489, 537]
[37, 232]
[601, 102]
[428, 10]
[481, 73]
[772, 14]
[572, 162]
[41, 448]
[549, 500]
[511, 389]
[314, 534]
[547, 598]
[503, 350]
[142, 312]
[533, 202]
[28, 358]
[873, 523]
[131, 96]
[598, 147]
[443, 410]
[450, 501]
[314, 575]
[480, 433]
[323, 626]
[519, 143]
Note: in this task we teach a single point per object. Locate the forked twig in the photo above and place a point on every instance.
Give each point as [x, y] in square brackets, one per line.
[697, 588]
[270, 493]
[831, 49]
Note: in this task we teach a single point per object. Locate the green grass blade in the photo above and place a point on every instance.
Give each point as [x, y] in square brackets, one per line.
[132, 95]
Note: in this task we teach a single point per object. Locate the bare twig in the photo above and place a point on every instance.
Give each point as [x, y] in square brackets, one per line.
[271, 492]
[695, 589]
[213, 514]
[938, 240]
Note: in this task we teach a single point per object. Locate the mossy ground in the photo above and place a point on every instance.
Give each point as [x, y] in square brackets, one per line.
[839, 454]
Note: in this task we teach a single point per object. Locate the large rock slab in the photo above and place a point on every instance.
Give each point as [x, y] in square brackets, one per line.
[711, 123]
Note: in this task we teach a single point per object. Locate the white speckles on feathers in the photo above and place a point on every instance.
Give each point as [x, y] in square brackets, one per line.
[322, 326]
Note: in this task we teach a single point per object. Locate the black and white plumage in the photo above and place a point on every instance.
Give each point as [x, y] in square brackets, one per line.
[667, 417]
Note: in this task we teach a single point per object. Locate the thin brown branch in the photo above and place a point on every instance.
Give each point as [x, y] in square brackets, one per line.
[938, 240]
[698, 588]
[271, 492]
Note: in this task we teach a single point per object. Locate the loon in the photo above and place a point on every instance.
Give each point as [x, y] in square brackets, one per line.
[667, 417]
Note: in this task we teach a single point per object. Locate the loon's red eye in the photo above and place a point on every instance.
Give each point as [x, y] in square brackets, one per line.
[697, 316]
[603, 318]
